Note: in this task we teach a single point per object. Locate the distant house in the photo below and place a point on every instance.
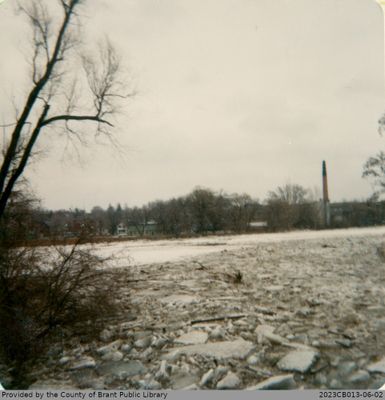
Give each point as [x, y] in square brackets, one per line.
[121, 229]
[148, 228]
[356, 213]
[132, 230]
[258, 226]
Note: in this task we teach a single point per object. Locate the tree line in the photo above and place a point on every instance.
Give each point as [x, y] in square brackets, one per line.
[202, 211]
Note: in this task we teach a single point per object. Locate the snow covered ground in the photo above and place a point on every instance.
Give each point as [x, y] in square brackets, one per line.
[142, 252]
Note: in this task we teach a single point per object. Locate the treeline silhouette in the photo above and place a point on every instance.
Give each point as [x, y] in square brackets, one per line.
[203, 211]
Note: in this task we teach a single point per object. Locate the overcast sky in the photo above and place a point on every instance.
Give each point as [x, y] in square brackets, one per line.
[239, 95]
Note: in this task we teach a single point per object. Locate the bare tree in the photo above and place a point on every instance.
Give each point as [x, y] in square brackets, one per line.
[201, 203]
[290, 193]
[60, 96]
[241, 211]
[374, 169]
[78, 92]
[291, 206]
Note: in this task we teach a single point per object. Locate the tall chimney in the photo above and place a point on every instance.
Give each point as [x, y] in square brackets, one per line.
[326, 202]
[325, 183]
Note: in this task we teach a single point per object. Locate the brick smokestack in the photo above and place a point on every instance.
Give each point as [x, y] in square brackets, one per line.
[325, 183]
[326, 202]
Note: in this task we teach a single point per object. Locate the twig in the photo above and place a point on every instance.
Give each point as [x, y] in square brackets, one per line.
[201, 265]
[219, 318]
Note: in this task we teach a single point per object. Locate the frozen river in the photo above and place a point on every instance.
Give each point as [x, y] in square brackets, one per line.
[317, 294]
[142, 252]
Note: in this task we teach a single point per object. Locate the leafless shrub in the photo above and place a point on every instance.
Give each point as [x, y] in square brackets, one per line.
[238, 277]
[42, 294]
[235, 277]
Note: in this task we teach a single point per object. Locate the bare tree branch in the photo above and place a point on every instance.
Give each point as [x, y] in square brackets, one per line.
[55, 95]
[33, 96]
[75, 118]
